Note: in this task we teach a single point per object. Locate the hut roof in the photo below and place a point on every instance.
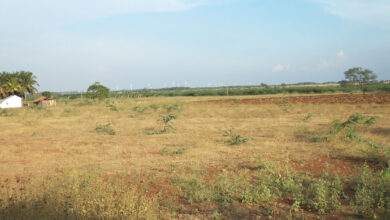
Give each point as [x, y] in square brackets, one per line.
[40, 99]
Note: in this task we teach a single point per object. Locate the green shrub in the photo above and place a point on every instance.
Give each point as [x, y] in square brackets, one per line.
[352, 122]
[371, 192]
[235, 139]
[105, 128]
[324, 195]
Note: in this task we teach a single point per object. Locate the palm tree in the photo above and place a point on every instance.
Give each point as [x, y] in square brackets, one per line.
[2, 92]
[27, 82]
[13, 86]
[17, 83]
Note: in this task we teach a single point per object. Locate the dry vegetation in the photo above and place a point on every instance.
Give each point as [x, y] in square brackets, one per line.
[168, 158]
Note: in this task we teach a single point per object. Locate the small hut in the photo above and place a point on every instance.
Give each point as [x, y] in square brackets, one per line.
[45, 101]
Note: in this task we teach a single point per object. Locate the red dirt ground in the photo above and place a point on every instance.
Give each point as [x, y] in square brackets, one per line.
[315, 99]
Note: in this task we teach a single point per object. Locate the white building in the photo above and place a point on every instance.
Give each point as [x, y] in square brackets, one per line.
[12, 101]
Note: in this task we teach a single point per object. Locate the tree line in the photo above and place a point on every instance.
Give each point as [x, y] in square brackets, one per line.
[17, 83]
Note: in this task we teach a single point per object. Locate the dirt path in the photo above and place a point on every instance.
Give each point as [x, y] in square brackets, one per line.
[315, 99]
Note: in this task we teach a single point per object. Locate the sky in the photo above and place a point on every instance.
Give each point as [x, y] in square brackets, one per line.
[135, 44]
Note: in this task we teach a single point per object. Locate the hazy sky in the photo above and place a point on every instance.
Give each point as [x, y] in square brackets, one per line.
[69, 44]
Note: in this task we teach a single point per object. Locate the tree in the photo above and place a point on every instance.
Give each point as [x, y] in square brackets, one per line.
[360, 76]
[98, 91]
[28, 81]
[263, 85]
[46, 94]
[18, 83]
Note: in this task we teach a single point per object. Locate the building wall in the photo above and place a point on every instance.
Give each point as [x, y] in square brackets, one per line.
[12, 102]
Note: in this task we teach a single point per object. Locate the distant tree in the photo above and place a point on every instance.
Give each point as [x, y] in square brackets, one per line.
[263, 85]
[360, 76]
[283, 85]
[98, 91]
[46, 94]
[343, 83]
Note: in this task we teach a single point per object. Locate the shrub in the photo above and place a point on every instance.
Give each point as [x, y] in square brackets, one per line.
[352, 122]
[235, 139]
[165, 123]
[112, 107]
[307, 117]
[324, 194]
[105, 128]
[371, 192]
[140, 109]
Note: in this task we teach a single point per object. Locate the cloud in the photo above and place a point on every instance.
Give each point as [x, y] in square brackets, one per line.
[278, 68]
[368, 12]
[340, 54]
[324, 64]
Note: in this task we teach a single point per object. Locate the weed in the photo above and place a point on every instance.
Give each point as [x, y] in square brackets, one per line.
[324, 195]
[165, 119]
[165, 124]
[85, 102]
[371, 192]
[352, 122]
[318, 138]
[105, 128]
[192, 187]
[167, 151]
[235, 139]
[7, 113]
[112, 107]
[307, 117]
[77, 194]
[140, 109]
[34, 107]
[155, 107]
[67, 111]
[285, 106]
[173, 107]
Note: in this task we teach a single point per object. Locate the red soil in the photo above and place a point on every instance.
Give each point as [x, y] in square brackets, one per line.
[383, 98]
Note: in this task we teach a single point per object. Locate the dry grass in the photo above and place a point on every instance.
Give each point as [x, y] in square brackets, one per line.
[38, 143]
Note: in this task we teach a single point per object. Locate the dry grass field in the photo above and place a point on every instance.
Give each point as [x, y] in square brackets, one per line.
[176, 158]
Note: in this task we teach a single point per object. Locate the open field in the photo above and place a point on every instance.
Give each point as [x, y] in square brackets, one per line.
[176, 158]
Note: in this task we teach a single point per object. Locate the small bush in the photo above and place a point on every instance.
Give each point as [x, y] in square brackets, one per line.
[140, 109]
[105, 128]
[112, 107]
[371, 192]
[235, 139]
[165, 125]
[324, 195]
[167, 151]
[352, 122]
[307, 117]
